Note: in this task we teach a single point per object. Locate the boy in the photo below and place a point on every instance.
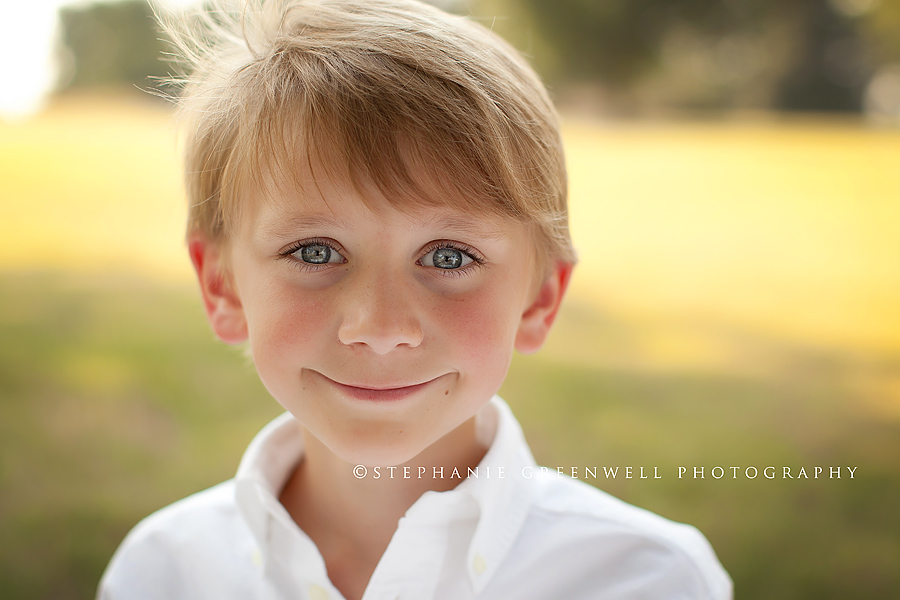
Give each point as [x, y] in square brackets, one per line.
[378, 209]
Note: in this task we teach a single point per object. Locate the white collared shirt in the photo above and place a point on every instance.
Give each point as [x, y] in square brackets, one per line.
[511, 533]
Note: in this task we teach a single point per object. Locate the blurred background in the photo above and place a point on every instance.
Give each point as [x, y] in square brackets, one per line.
[735, 200]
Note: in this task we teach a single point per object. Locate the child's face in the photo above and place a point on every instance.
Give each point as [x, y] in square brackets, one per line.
[381, 331]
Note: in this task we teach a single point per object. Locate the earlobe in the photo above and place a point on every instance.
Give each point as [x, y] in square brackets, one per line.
[220, 300]
[540, 314]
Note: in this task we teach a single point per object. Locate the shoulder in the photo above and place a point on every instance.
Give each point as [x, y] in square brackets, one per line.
[201, 538]
[605, 543]
[202, 519]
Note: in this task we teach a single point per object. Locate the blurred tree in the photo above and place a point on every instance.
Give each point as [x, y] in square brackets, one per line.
[111, 43]
[787, 54]
[830, 66]
[880, 25]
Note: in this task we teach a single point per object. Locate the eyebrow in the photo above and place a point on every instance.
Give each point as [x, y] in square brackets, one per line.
[466, 226]
[474, 226]
[288, 226]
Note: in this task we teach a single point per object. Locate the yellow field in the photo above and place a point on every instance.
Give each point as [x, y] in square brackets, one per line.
[93, 184]
[783, 230]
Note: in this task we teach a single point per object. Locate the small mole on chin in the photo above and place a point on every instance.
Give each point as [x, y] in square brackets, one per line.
[446, 392]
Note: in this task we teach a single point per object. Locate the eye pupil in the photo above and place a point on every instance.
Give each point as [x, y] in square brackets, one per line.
[316, 254]
[447, 258]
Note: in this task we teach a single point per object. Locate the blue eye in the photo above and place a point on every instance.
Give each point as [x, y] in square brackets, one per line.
[446, 258]
[317, 254]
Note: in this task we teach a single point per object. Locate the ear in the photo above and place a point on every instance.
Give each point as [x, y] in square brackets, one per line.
[539, 316]
[222, 304]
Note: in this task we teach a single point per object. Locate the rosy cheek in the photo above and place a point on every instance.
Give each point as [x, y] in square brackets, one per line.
[478, 326]
[289, 321]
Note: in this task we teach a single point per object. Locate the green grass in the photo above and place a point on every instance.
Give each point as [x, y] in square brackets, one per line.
[116, 400]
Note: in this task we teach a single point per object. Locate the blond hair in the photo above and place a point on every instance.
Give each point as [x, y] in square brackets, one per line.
[385, 89]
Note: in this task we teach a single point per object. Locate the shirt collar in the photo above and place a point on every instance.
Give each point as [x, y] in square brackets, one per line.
[263, 472]
[500, 492]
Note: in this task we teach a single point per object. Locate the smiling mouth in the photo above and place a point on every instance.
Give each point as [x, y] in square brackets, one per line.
[379, 393]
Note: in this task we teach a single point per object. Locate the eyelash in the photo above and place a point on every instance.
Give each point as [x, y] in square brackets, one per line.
[477, 259]
[303, 265]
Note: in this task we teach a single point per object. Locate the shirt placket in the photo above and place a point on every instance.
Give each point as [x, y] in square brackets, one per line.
[411, 564]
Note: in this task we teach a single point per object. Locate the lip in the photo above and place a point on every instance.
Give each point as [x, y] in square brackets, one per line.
[370, 393]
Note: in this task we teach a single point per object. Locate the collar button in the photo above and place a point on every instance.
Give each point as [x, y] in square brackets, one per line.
[479, 565]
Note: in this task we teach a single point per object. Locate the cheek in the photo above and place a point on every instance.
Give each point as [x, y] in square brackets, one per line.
[482, 329]
[285, 322]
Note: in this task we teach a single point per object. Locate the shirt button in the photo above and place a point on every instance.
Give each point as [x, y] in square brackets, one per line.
[479, 564]
[256, 557]
[317, 592]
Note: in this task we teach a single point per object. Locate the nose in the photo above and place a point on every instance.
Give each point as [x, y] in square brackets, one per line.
[380, 313]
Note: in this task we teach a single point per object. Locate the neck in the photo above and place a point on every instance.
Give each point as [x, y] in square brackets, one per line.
[352, 519]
